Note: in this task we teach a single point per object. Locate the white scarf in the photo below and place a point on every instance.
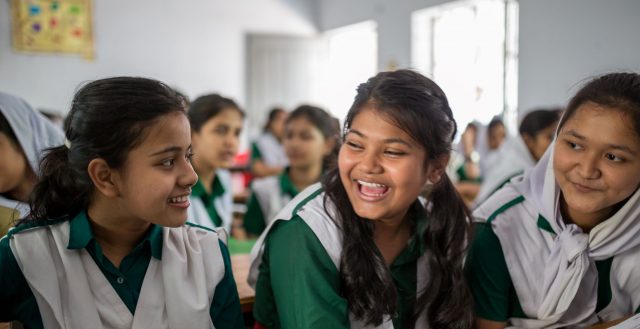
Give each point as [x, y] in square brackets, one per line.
[73, 293]
[555, 275]
[514, 158]
[330, 236]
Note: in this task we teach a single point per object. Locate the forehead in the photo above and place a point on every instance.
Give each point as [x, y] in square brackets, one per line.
[172, 128]
[602, 124]
[375, 124]
[229, 116]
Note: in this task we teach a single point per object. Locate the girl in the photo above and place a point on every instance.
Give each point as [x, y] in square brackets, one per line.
[105, 245]
[309, 138]
[24, 135]
[355, 251]
[559, 247]
[522, 152]
[268, 157]
[216, 123]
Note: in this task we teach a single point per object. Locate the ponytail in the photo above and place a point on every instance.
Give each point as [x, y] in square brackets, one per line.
[446, 298]
[61, 190]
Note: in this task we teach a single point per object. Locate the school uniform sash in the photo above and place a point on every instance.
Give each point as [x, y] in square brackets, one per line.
[330, 236]
[554, 274]
[73, 293]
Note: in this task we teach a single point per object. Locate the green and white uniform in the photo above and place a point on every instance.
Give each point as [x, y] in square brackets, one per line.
[54, 275]
[295, 270]
[529, 268]
[268, 149]
[213, 209]
[268, 196]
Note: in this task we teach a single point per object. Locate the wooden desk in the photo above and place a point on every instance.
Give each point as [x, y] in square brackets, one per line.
[240, 267]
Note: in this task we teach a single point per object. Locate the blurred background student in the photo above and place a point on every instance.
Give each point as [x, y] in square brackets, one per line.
[268, 157]
[310, 139]
[216, 123]
[521, 152]
[25, 134]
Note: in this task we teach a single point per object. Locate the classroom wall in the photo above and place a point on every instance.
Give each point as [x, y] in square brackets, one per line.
[197, 46]
[560, 42]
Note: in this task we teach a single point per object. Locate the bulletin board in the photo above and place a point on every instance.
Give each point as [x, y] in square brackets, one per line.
[52, 26]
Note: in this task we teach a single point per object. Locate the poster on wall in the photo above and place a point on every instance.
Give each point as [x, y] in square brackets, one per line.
[52, 26]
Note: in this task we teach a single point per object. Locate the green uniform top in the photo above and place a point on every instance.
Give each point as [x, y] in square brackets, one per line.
[488, 276]
[300, 287]
[217, 190]
[255, 220]
[255, 152]
[19, 303]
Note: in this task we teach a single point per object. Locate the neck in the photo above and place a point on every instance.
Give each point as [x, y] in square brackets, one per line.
[391, 237]
[586, 221]
[116, 234]
[23, 190]
[301, 177]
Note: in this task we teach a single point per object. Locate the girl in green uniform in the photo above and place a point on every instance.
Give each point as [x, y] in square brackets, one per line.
[559, 247]
[363, 249]
[105, 244]
[310, 136]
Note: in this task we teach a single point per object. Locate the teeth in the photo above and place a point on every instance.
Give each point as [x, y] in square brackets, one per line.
[179, 199]
[370, 184]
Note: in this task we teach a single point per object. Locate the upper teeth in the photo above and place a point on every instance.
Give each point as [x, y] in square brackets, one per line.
[179, 199]
[370, 184]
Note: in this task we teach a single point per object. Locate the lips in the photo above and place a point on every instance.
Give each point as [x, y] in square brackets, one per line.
[179, 199]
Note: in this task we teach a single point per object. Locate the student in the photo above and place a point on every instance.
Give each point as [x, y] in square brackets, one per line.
[310, 136]
[216, 124]
[559, 247]
[268, 157]
[521, 152]
[25, 134]
[105, 245]
[355, 251]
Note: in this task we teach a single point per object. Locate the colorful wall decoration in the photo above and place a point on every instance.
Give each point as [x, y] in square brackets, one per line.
[53, 26]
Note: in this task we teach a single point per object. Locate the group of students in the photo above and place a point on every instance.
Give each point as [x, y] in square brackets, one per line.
[122, 227]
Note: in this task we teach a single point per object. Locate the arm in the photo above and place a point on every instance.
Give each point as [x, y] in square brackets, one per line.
[298, 285]
[225, 306]
[260, 169]
[489, 280]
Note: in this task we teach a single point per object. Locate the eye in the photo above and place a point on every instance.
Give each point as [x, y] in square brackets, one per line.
[613, 157]
[574, 146]
[394, 153]
[189, 156]
[168, 163]
[353, 145]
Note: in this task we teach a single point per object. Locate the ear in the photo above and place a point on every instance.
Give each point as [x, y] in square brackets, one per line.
[103, 178]
[437, 168]
[528, 140]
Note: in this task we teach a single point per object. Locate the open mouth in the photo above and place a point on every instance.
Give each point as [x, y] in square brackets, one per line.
[372, 189]
[179, 201]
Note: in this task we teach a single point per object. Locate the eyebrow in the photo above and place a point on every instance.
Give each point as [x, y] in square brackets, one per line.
[386, 141]
[170, 149]
[612, 146]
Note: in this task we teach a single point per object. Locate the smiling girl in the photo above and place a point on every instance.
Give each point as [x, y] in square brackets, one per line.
[309, 139]
[105, 245]
[216, 123]
[354, 251]
[560, 247]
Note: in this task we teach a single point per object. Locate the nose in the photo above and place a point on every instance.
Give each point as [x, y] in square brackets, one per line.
[188, 176]
[370, 163]
[588, 167]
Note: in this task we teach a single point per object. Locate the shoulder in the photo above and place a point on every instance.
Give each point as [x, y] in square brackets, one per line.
[505, 201]
[34, 226]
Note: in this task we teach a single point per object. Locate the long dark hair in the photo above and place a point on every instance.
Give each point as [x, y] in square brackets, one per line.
[208, 106]
[326, 123]
[620, 91]
[537, 120]
[417, 105]
[108, 118]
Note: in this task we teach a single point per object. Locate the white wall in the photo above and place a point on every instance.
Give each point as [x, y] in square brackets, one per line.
[197, 46]
[561, 41]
